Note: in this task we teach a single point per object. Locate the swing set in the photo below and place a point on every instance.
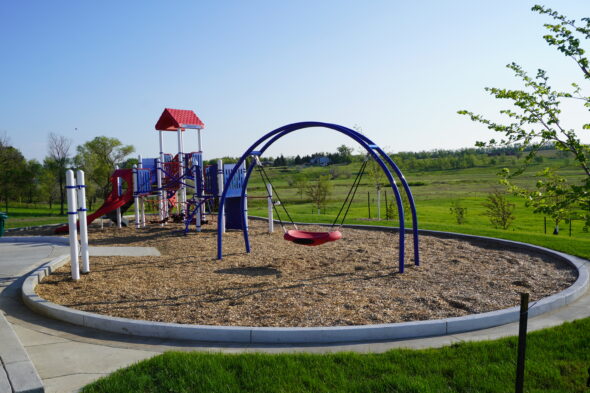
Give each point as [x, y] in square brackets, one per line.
[308, 238]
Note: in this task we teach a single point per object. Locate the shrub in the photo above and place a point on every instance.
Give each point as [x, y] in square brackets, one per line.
[499, 210]
[458, 211]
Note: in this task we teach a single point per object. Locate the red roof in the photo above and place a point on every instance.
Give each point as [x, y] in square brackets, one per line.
[173, 119]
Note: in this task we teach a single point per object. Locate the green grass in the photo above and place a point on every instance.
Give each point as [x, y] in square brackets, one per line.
[25, 215]
[557, 361]
[434, 193]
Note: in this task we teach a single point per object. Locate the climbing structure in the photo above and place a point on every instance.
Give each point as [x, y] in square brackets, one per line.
[178, 185]
[181, 182]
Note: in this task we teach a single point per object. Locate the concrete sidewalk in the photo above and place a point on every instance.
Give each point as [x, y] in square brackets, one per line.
[17, 372]
[64, 364]
[68, 357]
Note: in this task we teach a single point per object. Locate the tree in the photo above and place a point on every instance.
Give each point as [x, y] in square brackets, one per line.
[344, 154]
[499, 210]
[12, 171]
[33, 172]
[375, 173]
[458, 211]
[550, 197]
[58, 147]
[377, 177]
[391, 212]
[301, 184]
[98, 158]
[319, 192]
[128, 163]
[49, 186]
[534, 118]
[280, 161]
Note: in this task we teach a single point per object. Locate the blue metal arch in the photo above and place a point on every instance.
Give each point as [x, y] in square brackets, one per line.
[280, 135]
[375, 151]
[383, 156]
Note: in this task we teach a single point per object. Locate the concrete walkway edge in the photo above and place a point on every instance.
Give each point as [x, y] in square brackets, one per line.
[17, 373]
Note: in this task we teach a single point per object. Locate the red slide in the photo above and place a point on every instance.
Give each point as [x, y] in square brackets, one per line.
[113, 201]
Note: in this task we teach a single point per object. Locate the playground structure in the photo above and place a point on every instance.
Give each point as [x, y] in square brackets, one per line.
[177, 182]
[344, 259]
[182, 183]
[316, 238]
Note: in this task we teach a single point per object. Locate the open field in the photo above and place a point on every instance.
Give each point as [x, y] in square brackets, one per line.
[434, 192]
[25, 215]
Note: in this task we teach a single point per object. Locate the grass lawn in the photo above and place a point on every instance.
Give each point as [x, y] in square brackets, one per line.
[557, 361]
[26, 215]
[434, 193]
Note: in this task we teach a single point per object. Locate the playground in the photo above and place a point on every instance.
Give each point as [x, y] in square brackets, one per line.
[353, 281]
[220, 267]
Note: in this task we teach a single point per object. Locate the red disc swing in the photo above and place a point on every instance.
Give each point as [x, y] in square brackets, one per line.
[306, 238]
[309, 238]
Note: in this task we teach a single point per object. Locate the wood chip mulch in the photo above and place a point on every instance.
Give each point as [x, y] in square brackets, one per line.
[353, 281]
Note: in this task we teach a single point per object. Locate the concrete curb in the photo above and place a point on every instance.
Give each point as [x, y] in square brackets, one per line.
[19, 229]
[311, 335]
[17, 373]
[64, 241]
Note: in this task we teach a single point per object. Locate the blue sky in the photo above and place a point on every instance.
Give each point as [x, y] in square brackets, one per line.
[399, 70]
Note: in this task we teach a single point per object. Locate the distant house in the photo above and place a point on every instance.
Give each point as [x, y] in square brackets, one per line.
[320, 160]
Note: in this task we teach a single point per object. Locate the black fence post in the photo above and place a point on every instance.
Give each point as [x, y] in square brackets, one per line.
[369, 203]
[522, 326]
[545, 224]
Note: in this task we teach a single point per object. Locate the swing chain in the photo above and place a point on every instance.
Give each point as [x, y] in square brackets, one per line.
[353, 190]
[265, 180]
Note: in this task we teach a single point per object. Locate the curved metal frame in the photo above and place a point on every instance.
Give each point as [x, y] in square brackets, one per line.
[375, 151]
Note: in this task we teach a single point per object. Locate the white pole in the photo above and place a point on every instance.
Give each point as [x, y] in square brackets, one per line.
[270, 208]
[161, 192]
[135, 197]
[220, 184]
[201, 170]
[185, 169]
[181, 190]
[83, 224]
[378, 203]
[199, 140]
[142, 204]
[161, 146]
[118, 195]
[72, 213]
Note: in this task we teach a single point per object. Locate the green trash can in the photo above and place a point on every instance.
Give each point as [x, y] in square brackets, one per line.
[3, 217]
